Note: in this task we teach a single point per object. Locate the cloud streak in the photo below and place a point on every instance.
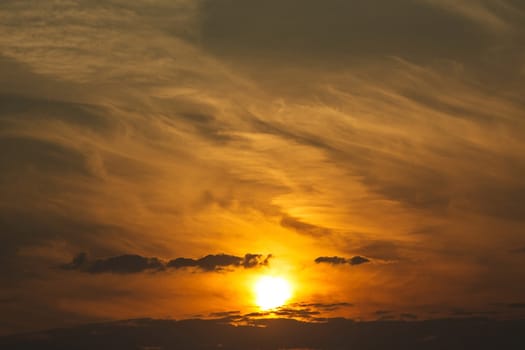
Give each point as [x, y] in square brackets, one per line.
[337, 260]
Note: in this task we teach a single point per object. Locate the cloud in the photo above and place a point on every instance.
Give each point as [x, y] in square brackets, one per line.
[130, 263]
[337, 260]
[323, 306]
[334, 260]
[122, 264]
[304, 227]
[220, 262]
[358, 260]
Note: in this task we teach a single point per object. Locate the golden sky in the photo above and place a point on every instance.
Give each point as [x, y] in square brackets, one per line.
[370, 152]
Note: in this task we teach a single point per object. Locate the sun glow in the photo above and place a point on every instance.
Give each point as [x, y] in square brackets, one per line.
[271, 292]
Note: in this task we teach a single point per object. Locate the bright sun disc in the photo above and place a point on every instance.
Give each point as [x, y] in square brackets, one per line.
[272, 292]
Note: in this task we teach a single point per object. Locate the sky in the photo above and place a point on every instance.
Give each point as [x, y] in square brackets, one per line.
[158, 156]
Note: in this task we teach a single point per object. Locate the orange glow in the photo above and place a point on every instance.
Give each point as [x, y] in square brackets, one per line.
[272, 292]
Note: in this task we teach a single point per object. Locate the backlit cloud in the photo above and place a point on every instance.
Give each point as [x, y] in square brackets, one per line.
[130, 263]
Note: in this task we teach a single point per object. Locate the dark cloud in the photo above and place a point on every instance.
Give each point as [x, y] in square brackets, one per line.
[130, 263]
[323, 306]
[215, 262]
[122, 264]
[179, 263]
[254, 260]
[334, 260]
[310, 312]
[337, 260]
[301, 313]
[358, 260]
[221, 261]
[304, 227]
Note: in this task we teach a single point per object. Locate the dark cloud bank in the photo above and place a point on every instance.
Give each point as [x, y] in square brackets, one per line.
[130, 263]
[466, 333]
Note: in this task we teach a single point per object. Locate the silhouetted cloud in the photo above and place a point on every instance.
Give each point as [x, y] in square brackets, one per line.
[130, 263]
[357, 260]
[320, 307]
[253, 260]
[337, 260]
[220, 261]
[334, 260]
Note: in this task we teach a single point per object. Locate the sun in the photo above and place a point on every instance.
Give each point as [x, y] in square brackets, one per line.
[271, 292]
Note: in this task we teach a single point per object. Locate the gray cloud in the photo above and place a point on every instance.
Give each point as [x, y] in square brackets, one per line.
[220, 262]
[323, 306]
[358, 260]
[334, 260]
[122, 264]
[337, 260]
[131, 263]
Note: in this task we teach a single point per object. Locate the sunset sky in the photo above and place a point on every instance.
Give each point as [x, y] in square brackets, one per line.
[158, 157]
